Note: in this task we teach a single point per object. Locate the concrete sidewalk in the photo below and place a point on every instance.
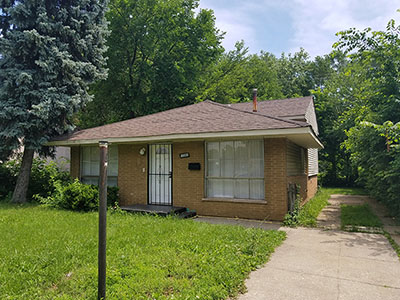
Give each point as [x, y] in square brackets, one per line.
[329, 218]
[320, 264]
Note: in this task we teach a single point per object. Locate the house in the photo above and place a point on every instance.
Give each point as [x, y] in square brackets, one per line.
[231, 160]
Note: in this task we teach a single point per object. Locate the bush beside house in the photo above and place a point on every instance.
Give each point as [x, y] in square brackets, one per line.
[52, 186]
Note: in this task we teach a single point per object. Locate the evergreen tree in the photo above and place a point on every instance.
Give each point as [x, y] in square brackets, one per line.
[50, 51]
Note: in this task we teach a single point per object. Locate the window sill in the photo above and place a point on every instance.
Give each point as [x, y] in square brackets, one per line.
[235, 200]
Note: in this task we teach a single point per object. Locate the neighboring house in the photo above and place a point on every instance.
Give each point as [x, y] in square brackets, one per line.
[62, 158]
[217, 159]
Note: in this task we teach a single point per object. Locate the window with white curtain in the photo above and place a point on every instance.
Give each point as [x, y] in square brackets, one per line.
[235, 169]
[90, 165]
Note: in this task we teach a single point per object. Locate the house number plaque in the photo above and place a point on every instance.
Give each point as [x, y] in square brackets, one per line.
[184, 155]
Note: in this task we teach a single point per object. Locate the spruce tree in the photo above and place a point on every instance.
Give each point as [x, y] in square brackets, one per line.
[50, 51]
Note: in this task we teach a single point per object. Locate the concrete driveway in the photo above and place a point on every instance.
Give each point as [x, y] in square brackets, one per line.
[319, 264]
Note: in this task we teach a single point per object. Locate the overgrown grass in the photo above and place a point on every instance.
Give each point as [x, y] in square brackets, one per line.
[346, 191]
[309, 212]
[52, 254]
[358, 215]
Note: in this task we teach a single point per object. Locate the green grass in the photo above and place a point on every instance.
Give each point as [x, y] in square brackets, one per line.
[52, 254]
[346, 191]
[309, 212]
[358, 215]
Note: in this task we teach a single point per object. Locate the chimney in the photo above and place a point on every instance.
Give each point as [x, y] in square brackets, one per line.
[254, 100]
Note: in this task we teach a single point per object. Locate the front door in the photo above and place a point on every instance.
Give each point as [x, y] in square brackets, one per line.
[160, 174]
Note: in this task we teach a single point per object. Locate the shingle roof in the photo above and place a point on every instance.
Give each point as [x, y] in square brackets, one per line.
[278, 108]
[202, 117]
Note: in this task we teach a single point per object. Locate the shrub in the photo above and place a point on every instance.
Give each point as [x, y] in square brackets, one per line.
[8, 177]
[43, 176]
[78, 196]
[112, 196]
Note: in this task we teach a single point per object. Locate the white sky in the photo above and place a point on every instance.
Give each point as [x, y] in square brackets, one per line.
[286, 25]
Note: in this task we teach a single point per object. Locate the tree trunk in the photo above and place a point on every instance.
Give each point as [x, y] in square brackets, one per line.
[21, 188]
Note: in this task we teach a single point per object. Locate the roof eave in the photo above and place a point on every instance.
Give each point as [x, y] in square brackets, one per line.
[304, 136]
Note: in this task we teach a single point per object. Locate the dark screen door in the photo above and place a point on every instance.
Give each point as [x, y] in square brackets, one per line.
[160, 174]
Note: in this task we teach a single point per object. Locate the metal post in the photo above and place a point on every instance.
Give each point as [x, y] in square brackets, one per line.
[102, 220]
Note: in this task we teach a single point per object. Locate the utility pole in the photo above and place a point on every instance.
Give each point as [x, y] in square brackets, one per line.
[103, 145]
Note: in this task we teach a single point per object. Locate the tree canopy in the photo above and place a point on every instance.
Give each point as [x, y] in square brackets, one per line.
[157, 53]
[50, 51]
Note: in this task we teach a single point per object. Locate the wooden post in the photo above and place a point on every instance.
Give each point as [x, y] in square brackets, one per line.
[102, 220]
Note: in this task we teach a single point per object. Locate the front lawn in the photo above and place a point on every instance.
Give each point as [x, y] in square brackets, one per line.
[49, 254]
[358, 215]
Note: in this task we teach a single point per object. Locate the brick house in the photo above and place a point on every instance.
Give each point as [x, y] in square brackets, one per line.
[232, 160]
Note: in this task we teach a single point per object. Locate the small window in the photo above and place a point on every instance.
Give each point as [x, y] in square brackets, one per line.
[90, 165]
[235, 169]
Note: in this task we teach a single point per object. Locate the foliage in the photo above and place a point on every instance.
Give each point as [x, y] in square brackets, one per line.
[307, 214]
[291, 218]
[8, 177]
[235, 74]
[310, 211]
[358, 215]
[52, 254]
[44, 174]
[157, 50]
[50, 51]
[379, 167]
[295, 74]
[77, 196]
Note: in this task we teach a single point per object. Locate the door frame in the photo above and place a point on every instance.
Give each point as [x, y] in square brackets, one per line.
[172, 174]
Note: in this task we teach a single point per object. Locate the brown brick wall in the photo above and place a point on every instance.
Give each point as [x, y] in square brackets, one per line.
[275, 177]
[312, 186]
[188, 186]
[75, 164]
[132, 181]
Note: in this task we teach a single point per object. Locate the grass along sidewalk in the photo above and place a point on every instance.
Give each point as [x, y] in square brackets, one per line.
[52, 254]
[308, 213]
[358, 215]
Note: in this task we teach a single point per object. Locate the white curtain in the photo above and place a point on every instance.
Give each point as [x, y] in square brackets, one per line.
[91, 165]
[235, 169]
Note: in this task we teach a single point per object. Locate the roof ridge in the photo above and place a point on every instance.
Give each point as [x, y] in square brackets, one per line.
[135, 118]
[258, 114]
[270, 100]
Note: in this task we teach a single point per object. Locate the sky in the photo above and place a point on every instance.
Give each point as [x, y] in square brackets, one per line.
[286, 25]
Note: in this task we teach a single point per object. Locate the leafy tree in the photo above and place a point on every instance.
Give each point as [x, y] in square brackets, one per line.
[49, 52]
[158, 50]
[339, 104]
[227, 78]
[295, 74]
[236, 73]
[373, 140]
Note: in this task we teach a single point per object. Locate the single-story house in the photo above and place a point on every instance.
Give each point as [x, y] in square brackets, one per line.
[231, 160]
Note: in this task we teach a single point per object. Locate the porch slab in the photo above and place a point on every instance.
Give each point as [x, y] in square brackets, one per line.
[162, 210]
